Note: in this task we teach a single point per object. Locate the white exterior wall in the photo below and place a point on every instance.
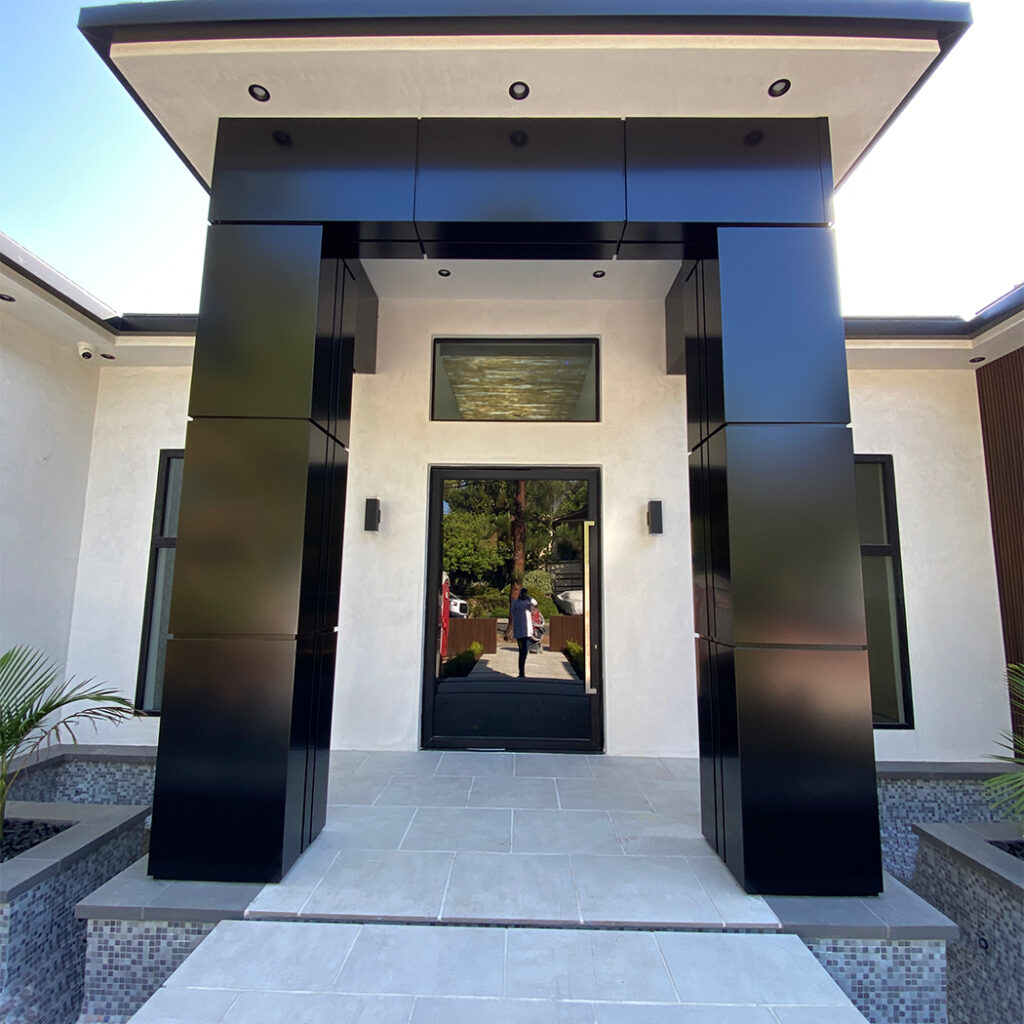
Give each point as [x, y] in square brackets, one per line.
[139, 411]
[928, 420]
[640, 447]
[93, 541]
[47, 403]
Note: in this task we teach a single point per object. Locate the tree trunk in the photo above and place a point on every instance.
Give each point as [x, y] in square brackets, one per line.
[518, 550]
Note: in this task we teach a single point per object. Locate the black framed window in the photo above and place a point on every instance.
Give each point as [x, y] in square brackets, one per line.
[888, 658]
[548, 380]
[149, 692]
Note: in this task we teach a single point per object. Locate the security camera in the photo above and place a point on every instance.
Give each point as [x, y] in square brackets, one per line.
[86, 351]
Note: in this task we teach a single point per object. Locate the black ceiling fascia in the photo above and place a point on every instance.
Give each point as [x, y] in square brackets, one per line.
[941, 20]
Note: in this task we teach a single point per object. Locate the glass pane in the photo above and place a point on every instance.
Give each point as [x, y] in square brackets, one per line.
[551, 381]
[883, 639]
[172, 496]
[511, 670]
[871, 503]
[153, 687]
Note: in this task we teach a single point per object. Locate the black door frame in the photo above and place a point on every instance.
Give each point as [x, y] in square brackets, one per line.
[592, 475]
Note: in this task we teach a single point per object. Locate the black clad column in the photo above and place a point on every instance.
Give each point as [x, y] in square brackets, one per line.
[787, 756]
[245, 730]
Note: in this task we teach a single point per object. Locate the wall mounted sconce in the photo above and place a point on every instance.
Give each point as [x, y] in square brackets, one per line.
[654, 517]
[372, 520]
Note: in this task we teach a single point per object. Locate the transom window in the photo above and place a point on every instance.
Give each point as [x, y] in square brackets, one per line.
[539, 379]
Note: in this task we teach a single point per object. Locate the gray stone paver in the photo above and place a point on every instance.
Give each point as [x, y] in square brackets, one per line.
[262, 972]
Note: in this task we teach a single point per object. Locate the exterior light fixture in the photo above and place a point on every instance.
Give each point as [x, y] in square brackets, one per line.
[260, 93]
[519, 90]
[599, 273]
[519, 139]
[371, 520]
[283, 139]
[779, 87]
[977, 359]
[107, 355]
[754, 138]
[4, 297]
[443, 272]
[654, 520]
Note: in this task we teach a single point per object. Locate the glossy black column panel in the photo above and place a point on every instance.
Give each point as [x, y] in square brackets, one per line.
[222, 793]
[238, 567]
[520, 180]
[356, 171]
[787, 768]
[784, 544]
[254, 351]
[682, 171]
[245, 736]
[783, 350]
[802, 774]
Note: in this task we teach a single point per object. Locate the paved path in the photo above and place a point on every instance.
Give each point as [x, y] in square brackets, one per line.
[249, 972]
[378, 921]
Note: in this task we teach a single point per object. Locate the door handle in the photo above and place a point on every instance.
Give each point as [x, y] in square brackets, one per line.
[588, 687]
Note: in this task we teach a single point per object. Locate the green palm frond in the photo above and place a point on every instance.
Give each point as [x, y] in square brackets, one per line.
[1006, 791]
[37, 708]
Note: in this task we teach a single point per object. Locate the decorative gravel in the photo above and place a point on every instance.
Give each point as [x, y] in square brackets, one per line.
[21, 834]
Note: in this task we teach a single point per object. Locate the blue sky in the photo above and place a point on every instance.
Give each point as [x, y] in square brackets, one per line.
[931, 223]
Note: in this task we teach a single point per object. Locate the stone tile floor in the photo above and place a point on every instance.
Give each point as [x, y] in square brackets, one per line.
[497, 838]
[602, 852]
[266, 972]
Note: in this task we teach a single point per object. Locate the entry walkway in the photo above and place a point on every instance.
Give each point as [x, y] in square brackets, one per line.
[604, 905]
[495, 838]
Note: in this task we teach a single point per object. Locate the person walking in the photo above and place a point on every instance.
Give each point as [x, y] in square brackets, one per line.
[522, 627]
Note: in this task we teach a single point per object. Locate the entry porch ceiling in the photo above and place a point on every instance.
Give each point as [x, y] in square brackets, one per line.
[856, 62]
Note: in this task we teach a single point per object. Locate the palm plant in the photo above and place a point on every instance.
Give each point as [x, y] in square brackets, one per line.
[1006, 791]
[32, 699]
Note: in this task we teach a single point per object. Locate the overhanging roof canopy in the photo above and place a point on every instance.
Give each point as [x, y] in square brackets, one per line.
[190, 62]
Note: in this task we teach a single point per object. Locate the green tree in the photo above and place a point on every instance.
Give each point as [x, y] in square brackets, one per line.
[470, 548]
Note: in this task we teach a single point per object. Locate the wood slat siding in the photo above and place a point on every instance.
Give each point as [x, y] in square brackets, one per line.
[462, 632]
[564, 627]
[1001, 401]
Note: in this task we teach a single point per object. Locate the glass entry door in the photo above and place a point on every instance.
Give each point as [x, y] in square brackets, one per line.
[494, 532]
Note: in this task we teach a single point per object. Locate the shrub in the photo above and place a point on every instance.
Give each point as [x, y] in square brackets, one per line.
[461, 664]
[1006, 791]
[37, 708]
[490, 604]
[574, 652]
[539, 583]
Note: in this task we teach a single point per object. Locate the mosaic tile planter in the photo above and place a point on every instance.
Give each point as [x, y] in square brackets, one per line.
[89, 774]
[982, 889]
[912, 793]
[42, 952]
[140, 930]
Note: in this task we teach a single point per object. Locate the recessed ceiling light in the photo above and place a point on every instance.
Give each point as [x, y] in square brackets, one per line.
[107, 355]
[779, 87]
[599, 273]
[444, 273]
[260, 93]
[977, 359]
[282, 138]
[4, 297]
[519, 90]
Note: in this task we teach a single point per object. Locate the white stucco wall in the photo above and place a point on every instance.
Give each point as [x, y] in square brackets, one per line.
[640, 447]
[928, 421]
[139, 411]
[47, 403]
